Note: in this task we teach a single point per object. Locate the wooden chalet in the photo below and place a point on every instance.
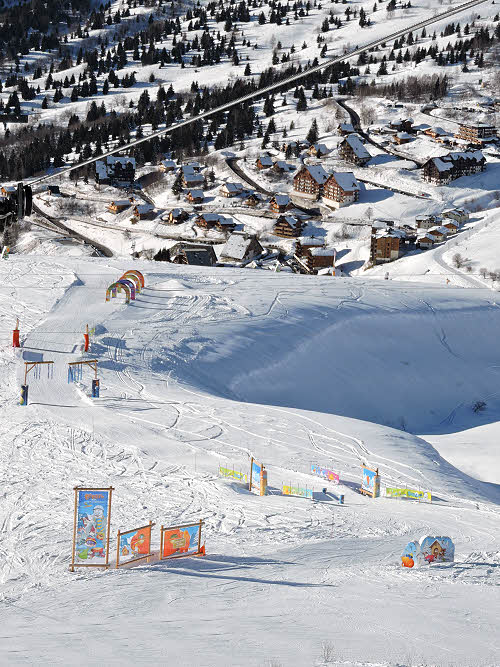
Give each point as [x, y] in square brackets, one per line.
[309, 181]
[345, 128]
[166, 166]
[427, 221]
[318, 150]
[229, 190]
[282, 167]
[191, 178]
[119, 205]
[215, 221]
[177, 216]
[264, 162]
[195, 196]
[240, 247]
[280, 203]
[287, 227]
[319, 258]
[352, 150]
[254, 199]
[385, 245]
[458, 214]
[425, 241]
[479, 133]
[439, 233]
[451, 225]
[144, 211]
[402, 138]
[193, 255]
[443, 170]
[341, 189]
[402, 125]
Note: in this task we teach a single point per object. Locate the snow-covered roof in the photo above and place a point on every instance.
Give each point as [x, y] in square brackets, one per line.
[346, 127]
[232, 187]
[281, 164]
[211, 217]
[281, 200]
[356, 144]
[196, 194]
[393, 233]
[441, 165]
[322, 252]
[346, 180]
[290, 219]
[311, 241]
[321, 148]
[425, 237]
[404, 135]
[438, 229]
[176, 212]
[112, 160]
[144, 208]
[168, 164]
[121, 202]
[236, 247]
[265, 160]
[427, 216]
[317, 172]
[100, 169]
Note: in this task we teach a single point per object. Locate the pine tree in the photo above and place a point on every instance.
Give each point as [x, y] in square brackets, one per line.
[312, 135]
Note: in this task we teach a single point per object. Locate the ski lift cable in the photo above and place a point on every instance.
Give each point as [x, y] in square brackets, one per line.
[266, 89]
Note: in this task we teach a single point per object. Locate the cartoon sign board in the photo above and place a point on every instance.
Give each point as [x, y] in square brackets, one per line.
[297, 491]
[410, 555]
[326, 473]
[233, 474]
[182, 540]
[133, 544]
[437, 549]
[370, 485]
[255, 475]
[91, 527]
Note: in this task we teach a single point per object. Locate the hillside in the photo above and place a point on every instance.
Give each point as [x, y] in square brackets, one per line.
[204, 369]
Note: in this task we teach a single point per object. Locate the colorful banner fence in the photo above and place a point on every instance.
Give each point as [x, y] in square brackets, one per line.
[298, 491]
[133, 545]
[414, 494]
[183, 540]
[233, 474]
[370, 485]
[91, 527]
[326, 473]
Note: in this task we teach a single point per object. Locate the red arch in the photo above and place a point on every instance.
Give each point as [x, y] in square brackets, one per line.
[134, 272]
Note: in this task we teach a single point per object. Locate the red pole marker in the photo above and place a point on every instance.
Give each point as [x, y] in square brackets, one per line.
[15, 335]
[86, 338]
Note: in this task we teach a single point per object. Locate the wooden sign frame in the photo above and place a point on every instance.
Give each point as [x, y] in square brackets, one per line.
[376, 484]
[262, 467]
[76, 489]
[200, 552]
[150, 525]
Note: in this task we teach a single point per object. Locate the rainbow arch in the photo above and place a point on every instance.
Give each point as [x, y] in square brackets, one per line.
[117, 287]
[133, 273]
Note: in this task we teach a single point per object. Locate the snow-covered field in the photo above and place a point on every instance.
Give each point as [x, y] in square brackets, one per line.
[213, 366]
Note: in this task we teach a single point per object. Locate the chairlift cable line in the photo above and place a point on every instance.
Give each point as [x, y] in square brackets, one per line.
[266, 89]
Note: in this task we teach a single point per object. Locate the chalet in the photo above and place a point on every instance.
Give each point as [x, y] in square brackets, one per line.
[436, 132]
[288, 227]
[479, 133]
[190, 177]
[306, 242]
[254, 199]
[352, 150]
[282, 167]
[264, 162]
[451, 225]
[424, 241]
[439, 233]
[317, 259]
[385, 245]
[119, 205]
[195, 166]
[458, 214]
[8, 190]
[345, 128]
[402, 125]
[341, 189]
[309, 181]
[115, 170]
[240, 247]
[177, 216]
[318, 150]
[279, 203]
[195, 196]
[427, 221]
[294, 146]
[231, 189]
[194, 255]
[402, 138]
[167, 166]
[443, 170]
[144, 211]
[215, 221]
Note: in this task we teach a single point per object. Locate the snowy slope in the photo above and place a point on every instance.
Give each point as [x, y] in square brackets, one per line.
[210, 367]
